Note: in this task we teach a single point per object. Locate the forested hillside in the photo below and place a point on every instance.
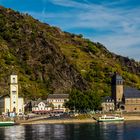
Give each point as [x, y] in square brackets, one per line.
[48, 60]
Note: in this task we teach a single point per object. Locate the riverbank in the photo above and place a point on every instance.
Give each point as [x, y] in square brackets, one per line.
[132, 117]
[58, 121]
[63, 121]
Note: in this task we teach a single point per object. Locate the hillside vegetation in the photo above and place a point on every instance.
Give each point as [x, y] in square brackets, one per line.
[48, 60]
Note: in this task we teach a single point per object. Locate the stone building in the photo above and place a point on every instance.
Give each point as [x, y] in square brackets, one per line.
[125, 98]
[131, 99]
[12, 103]
[117, 89]
[107, 104]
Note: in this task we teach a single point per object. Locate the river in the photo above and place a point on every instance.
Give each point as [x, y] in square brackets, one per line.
[93, 131]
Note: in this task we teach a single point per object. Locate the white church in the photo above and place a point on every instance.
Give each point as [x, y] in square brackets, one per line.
[12, 103]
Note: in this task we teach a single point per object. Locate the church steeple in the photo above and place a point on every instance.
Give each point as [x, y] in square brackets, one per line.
[13, 93]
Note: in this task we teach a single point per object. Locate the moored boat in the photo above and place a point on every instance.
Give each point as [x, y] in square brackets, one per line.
[106, 118]
[7, 123]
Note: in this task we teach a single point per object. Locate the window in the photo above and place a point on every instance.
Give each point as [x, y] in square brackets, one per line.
[14, 80]
[14, 109]
[59, 106]
[13, 92]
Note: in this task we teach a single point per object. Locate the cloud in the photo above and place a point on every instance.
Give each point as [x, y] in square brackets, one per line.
[68, 3]
[95, 16]
[126, 45]
[116, 24]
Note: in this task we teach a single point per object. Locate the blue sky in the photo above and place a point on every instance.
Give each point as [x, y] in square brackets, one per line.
[114, 23]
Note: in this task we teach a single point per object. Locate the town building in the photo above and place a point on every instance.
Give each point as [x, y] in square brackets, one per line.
[12, 103]
[40, 107]
[108, 104]
[117, 89]
[57, 101]
[131, 100]
[125, 98]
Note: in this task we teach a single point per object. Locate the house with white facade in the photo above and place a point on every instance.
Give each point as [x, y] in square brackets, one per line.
[53, 104]
[40, 107]
[57, 101]
[12, 103]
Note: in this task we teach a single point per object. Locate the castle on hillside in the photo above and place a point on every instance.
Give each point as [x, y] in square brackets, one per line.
[122, 98]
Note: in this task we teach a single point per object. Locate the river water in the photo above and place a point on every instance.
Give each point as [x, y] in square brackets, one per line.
[93, 131]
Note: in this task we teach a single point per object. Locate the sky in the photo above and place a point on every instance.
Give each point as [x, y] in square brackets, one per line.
[114, 23]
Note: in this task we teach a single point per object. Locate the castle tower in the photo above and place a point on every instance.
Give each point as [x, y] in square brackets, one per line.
[117, 89]
[14, 93]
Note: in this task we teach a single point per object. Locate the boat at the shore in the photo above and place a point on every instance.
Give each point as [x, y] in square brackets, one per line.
[7, 123]
[106, 118]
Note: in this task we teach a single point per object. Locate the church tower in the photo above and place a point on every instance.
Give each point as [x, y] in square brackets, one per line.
[14, 93]
[117, 89]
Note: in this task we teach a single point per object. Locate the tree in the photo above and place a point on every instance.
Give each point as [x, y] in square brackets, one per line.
[94, 99]
[83, 101]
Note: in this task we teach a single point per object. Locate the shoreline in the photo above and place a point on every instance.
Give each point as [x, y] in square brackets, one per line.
[66, 121]
[131, 117]
[58, 121]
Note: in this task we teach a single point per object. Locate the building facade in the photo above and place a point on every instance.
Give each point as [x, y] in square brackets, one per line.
[40, 107]
[107, 104]
[57, 101]
[132, 99]
[117, 89]
[12, 103]
[125, 98]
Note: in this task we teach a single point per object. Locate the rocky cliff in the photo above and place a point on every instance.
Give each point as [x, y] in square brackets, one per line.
[48, 60]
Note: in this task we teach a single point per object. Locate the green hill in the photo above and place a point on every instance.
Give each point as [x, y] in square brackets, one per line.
[48, 60]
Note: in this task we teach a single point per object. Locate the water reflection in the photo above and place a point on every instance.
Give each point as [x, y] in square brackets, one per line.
[112, 130]
[12, 132]
[97, 131]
